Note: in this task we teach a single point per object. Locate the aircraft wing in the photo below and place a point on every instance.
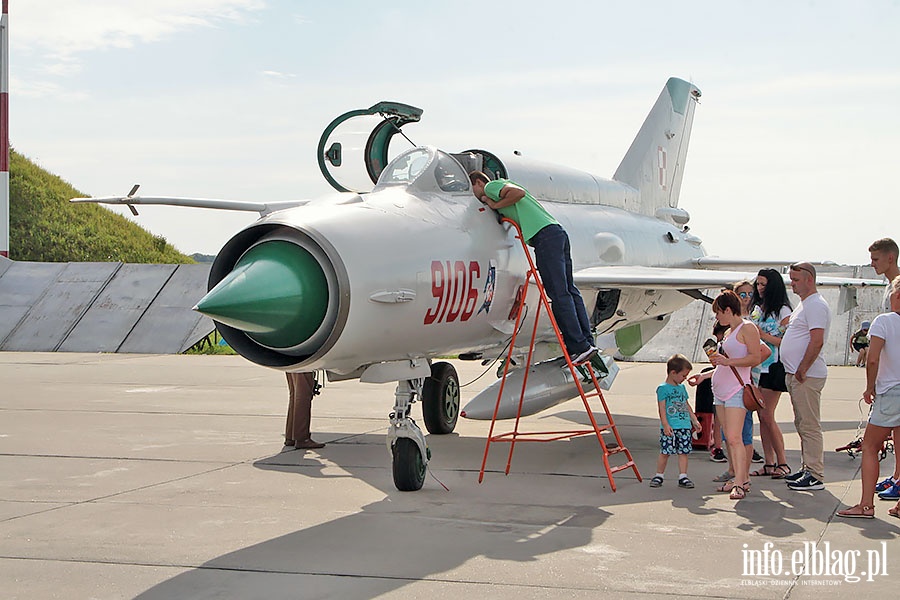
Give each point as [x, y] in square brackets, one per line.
[686, 278]
[130, 200]
[718, 262]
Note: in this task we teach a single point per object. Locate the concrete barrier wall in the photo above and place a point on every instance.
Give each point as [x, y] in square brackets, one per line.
[101, 307]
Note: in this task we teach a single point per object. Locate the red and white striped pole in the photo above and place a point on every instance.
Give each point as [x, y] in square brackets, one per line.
[4, 131]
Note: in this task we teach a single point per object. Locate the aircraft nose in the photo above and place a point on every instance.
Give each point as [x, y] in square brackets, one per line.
[277, 294]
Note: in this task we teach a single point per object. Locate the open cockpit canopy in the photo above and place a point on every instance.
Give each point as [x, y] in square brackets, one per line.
[355, 148]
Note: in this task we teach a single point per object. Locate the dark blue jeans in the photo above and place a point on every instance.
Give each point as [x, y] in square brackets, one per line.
[554, 261]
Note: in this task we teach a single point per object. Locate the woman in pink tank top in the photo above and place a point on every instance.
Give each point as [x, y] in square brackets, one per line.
[740, 349]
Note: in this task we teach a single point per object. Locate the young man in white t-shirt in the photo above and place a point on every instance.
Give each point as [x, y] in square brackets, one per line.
[883, 394]
[883, 258]
[801, 354]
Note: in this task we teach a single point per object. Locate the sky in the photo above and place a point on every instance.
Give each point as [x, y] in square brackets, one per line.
[793, 153]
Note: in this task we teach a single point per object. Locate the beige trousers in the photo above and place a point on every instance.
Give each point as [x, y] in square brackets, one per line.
[806, 398]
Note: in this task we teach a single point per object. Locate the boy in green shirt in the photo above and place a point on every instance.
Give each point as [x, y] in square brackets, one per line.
[677, 421]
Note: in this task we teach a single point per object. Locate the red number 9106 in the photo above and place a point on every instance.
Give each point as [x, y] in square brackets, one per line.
[453, 287]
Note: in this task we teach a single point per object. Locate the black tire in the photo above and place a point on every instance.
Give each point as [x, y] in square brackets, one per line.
[440, 399]
[408, 466]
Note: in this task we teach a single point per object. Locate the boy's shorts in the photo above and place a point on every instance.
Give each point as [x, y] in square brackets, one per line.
[677, 443]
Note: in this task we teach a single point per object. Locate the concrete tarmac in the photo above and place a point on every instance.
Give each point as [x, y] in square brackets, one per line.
[160, 477]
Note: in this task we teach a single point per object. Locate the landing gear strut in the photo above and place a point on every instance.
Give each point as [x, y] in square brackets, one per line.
[440, 409]
[406, 441]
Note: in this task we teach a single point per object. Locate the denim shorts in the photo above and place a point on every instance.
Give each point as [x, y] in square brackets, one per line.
[886, 408]
[736, 401]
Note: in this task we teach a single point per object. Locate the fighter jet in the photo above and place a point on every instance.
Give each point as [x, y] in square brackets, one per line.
[402, 264]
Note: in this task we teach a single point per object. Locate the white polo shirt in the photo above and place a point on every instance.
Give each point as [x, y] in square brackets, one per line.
[813, 313]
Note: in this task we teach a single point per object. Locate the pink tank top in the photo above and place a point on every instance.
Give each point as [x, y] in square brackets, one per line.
[724, 383]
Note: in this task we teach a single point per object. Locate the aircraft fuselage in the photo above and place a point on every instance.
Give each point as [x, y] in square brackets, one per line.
[417, 273]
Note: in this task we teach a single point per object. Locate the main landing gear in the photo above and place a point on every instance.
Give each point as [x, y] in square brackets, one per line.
[440, 409]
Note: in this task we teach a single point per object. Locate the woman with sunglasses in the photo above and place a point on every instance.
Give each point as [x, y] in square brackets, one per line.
[744, 291]
[771, 313]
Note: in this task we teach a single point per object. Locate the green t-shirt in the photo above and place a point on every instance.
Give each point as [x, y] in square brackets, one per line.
[527, 212]
[675, 398]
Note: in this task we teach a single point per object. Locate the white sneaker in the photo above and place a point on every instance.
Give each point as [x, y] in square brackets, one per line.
[584, 356]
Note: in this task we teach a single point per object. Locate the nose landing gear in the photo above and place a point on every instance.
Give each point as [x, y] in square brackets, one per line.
[406, 441]
[440, 409]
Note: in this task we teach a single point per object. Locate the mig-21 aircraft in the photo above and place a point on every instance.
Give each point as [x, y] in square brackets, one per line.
[403, 264]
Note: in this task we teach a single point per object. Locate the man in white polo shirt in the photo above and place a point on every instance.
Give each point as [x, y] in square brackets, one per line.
[801, 353]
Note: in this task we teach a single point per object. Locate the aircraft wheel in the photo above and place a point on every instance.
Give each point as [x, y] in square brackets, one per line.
[408, 466]
[440, 399]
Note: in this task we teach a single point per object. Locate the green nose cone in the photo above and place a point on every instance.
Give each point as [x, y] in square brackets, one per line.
[277, 294]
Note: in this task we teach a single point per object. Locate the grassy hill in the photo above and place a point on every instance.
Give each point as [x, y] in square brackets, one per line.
[45, 227]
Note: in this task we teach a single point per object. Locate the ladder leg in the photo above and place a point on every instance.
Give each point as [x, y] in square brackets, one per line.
[597, 429]
[508, 362]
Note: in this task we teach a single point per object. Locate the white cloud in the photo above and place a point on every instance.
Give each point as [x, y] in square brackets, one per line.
[61, 29]
[30, 88]
[278, 75]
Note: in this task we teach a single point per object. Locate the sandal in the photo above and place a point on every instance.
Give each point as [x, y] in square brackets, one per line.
[895, 512]
[764, 471]
[781, 470]
[724, 477]
[726, 487]
[858, 512]
[739, 492]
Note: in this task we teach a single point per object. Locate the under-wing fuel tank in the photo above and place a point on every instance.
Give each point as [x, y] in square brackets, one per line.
[549, 383]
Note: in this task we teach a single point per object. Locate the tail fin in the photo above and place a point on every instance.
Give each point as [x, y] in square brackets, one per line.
[654, 164]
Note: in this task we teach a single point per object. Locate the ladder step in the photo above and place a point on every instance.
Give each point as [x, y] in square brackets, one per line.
[627, 465]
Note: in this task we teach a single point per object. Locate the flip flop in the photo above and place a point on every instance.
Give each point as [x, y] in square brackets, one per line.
[723, 478]
[857, 515]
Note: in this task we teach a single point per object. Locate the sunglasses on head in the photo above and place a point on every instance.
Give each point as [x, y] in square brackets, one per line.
[796, 267]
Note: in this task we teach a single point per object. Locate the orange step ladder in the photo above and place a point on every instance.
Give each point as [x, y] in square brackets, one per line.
[514, 436]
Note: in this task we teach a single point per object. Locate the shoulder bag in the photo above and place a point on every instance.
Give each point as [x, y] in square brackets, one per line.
[752, 396]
